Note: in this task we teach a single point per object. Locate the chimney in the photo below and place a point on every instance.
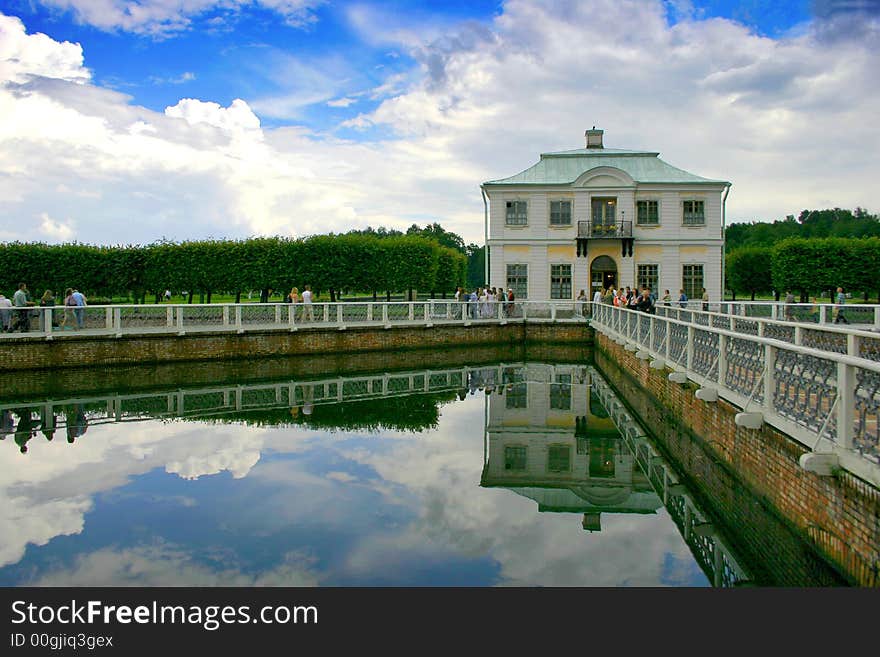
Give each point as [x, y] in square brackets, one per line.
[594, 138]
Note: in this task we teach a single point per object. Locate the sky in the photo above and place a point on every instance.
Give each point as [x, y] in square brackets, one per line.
[131, 121]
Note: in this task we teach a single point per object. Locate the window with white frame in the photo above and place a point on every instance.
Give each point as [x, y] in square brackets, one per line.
[647, 213]
[517, 213]
[518, 280]
[692, 281]
[560, 213]
[560, 281]
[693, 213]
[648, 276]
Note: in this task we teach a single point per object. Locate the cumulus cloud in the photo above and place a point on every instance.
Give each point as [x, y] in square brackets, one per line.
[25, 55]
[780, 118]
[789, 121]
[55, 230]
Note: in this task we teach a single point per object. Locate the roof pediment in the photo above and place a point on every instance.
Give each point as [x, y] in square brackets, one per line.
[585, 167]
[604, 176]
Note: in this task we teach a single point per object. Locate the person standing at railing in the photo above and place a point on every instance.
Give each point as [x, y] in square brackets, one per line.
[510, 298]
[46, 301]
[705, 300]
[79, 309]
[308, 312]
[841, 301]
[682, 299]
[645, 303]
[789, 306]
[599, 294]
[293, 299]
[22, 303]
[667, 298]
[5, 314]
[581, 303]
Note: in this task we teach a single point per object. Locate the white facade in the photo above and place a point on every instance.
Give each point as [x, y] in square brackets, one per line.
[627, 205]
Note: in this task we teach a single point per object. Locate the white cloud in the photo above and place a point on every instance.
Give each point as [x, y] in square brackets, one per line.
[25, 55]
[167, 17]
[789, 121]
[186, 76]
[341, 102]
[55, 230]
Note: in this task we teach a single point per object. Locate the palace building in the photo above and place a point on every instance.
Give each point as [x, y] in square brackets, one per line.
[595, 217]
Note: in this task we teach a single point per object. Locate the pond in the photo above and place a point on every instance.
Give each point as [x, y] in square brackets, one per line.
[498, 474]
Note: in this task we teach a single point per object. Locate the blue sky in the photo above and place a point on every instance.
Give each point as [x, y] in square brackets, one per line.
[127, 122]
[256, 54]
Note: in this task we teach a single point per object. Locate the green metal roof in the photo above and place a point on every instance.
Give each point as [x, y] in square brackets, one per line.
[564, 167]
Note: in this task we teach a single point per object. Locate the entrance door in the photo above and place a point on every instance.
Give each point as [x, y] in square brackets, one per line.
[603, 274]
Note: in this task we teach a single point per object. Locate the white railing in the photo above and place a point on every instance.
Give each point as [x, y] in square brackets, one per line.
[853, 339]
[828, 401]
[116, 321]
[861, 314]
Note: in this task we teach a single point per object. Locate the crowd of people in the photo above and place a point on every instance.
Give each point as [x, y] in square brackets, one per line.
[482, 302]
[17, 314]
[635, 299]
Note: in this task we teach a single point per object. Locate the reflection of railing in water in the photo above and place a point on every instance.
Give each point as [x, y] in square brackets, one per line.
[222, 400]
[714, 557]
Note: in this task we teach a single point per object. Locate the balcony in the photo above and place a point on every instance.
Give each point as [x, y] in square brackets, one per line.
[592, 230]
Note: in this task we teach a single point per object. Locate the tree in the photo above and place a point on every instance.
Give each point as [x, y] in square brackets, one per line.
[438, 234]
[749, 270]
[476, 266]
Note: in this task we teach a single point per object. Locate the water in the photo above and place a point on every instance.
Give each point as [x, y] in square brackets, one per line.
[500, 475]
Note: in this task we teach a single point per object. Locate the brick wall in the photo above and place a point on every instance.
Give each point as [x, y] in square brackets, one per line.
[37, 353]
[27, 385]
[774, 509]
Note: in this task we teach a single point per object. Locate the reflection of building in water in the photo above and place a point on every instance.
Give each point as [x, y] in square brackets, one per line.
[549, 439]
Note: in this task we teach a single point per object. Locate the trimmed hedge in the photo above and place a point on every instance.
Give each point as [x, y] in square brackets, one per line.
[332, 263]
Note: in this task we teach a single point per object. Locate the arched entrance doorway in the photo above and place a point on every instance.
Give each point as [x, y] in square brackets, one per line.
[603, 273]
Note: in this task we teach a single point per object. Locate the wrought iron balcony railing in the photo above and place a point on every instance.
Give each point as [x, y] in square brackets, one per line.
[616, 230]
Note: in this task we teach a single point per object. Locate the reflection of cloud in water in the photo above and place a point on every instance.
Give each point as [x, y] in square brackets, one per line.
[531, 548]
[169, 565]
[434, 476]
[48, 491]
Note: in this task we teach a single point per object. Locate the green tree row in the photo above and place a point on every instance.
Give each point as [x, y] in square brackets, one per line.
[332, 263]
[832, 222]
[807, 267]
